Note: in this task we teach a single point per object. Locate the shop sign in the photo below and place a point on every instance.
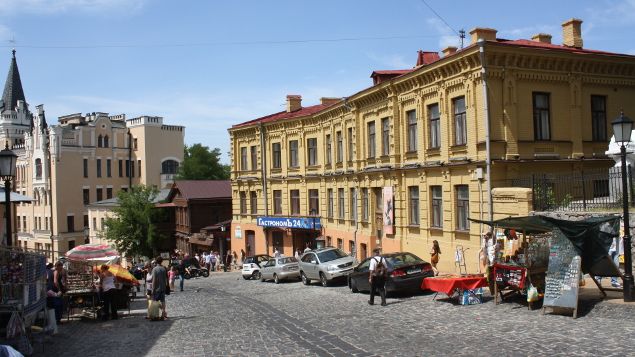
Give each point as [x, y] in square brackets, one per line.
[290, 222]
[238, 233]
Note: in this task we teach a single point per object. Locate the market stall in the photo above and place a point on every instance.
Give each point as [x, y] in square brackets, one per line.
[466, 288]
[22, 293]
[542, 257]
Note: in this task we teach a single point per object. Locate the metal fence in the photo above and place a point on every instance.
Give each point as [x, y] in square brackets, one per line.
[597, 189]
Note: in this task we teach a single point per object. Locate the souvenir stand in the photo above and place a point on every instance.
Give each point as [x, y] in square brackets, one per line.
[22, 293]
[81, 296]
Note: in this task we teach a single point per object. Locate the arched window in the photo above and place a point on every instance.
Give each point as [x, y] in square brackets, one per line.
[100, 141]
[169, 167]
[106, 141]
[38, 168]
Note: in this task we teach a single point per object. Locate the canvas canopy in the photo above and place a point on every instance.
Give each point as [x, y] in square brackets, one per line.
[591, 237]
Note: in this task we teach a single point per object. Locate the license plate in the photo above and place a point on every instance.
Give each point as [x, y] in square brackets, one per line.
[413, 271]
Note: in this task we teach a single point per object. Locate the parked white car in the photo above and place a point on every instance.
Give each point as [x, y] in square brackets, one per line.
[253, 264]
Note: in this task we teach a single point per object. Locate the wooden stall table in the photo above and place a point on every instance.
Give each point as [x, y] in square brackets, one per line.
[85, 300]
[450, 284]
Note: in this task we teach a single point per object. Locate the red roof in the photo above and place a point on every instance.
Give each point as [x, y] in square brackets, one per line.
[426, 57]
[305, 111]
[551, 46]
[202, 189]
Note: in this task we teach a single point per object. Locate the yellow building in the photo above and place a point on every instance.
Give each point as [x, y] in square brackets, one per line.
[440, 136]
[81, 160]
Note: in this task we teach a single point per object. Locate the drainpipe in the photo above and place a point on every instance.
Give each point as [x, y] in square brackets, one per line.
[488, 156]
[129, 168]
[263, 179]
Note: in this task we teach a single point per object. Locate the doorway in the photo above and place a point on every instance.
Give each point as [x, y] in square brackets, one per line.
[250, 242]
[277, 241]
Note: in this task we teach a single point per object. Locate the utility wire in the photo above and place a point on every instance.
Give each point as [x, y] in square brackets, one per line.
[209, 44]
[440, 18]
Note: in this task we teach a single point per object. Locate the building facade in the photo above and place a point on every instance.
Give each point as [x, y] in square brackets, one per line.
[410, 159]
[81, 160]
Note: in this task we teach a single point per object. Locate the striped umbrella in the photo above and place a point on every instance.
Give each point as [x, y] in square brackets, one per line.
[90, 251]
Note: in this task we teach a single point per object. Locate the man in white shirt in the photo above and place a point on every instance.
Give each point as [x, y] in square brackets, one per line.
[378, 270]
[276, 253]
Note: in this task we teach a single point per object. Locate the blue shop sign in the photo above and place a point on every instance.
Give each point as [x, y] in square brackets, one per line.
[290, 222]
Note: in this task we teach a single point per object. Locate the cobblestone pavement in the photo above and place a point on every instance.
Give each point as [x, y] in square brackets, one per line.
[225, 315]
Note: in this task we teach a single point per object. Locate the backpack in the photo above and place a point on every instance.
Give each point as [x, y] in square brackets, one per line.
[380, 268]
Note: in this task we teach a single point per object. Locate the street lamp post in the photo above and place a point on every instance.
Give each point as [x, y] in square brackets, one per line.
[7, 173]
[622, 128]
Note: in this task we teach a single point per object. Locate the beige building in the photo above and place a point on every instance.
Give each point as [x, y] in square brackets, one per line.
[81, 160]
[411, 158]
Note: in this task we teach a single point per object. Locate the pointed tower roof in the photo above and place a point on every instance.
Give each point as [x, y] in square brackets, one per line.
[12, 87]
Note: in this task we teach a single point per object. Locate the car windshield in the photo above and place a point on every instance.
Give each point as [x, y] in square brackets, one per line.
[287, 260]
[332, 254]
[403, 259]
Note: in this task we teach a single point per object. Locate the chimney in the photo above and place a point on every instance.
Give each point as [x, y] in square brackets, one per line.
[572, 33]
[450, 50]
[482, 33]
[294, 102]
[329, 101]
[542, 37]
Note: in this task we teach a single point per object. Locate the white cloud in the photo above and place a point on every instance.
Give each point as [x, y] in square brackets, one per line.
[56, 6]
[447, 37]
[392, 61]
[617, 13]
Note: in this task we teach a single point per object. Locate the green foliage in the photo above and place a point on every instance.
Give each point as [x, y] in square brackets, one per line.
[201, 163]
[133, 226]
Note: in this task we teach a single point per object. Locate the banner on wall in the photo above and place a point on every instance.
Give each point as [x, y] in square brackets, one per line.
[389, 211]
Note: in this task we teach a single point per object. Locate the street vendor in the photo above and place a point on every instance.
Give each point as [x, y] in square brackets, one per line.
[108, 293]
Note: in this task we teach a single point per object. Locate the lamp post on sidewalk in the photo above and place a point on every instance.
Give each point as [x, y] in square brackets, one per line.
[7, 173]
[622, 128]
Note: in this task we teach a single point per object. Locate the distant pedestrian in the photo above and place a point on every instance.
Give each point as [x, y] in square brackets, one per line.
[228, 261]
[208, 261]
[276, 253]
[234, 260]
[242, 256]
[172, 276]
[182, 266]
[159, 284]
[434, 256]
[378, 270]
[308, 248]
[297, 254]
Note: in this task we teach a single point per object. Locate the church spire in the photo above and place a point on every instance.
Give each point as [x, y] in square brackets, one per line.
[12, 88]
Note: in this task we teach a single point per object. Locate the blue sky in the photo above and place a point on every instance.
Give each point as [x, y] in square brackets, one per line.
[210, 64]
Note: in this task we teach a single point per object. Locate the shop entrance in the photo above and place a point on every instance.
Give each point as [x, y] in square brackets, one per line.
[277, 241]
[250, 242]
[303, 239]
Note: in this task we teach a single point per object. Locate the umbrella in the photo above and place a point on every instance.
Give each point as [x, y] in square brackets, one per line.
[122, 274]
[90, 251]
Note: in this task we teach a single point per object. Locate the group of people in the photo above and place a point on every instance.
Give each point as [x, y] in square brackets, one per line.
[213, 261]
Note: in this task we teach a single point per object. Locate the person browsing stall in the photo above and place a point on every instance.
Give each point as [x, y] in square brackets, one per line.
[109, 291]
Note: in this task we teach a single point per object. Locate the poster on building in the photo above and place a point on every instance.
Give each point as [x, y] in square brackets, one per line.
[238, 233]
[389, 211]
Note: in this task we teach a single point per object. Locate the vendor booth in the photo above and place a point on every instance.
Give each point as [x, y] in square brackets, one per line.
[544, 258]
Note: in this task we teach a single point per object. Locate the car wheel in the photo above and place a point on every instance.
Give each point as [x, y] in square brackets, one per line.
[323, 280]
[305, 280]
[276, 279]
[256, 275]
[353, 285]
[246, 277]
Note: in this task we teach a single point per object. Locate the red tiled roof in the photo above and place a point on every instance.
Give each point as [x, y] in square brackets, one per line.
[551, 46]
[286, 115]
[201, 189]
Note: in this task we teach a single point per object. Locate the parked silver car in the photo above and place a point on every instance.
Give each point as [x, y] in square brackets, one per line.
[278, 269]
[325, 265]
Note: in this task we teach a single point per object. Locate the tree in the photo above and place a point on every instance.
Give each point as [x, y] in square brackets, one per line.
[201, 163]
[133, 227]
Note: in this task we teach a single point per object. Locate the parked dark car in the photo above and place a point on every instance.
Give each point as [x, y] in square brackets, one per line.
[406, 272]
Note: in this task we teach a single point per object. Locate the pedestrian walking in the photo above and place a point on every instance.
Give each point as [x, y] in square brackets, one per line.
[172, 276]
[213, 259]
[377, 277]
[182, 267]
[108, 293]
[208, 261]
[276, 253]
[434, 256]
[159, 285]
[234, 260]
[54, 298]
[242, 256]
[228, 261]
[308, 248]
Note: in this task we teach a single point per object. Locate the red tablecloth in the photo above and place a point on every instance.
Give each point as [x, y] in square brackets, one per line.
[448, 284]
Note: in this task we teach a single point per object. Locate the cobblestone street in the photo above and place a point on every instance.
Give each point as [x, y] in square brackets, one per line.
[225, 315]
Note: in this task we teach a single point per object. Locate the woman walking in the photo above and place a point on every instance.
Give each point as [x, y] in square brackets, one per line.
[434, 256]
